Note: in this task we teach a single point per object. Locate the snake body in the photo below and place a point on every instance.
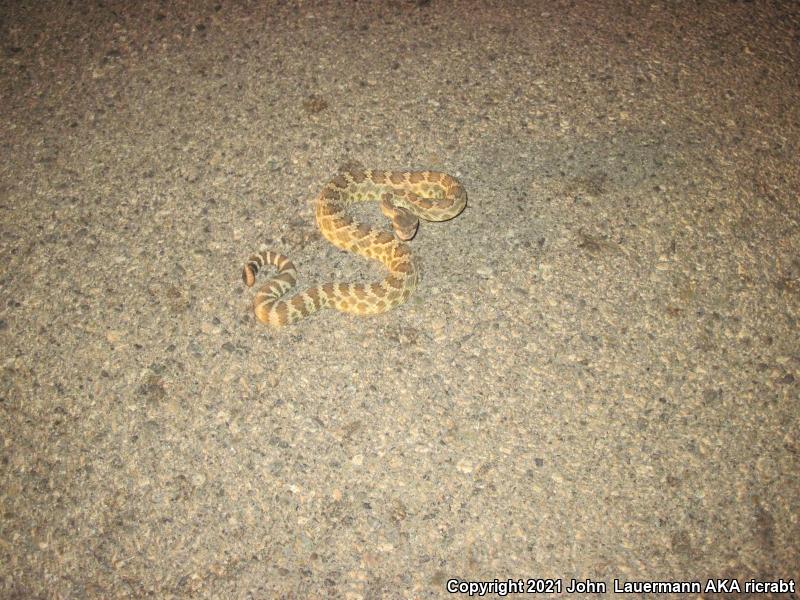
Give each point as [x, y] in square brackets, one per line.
[405, 197]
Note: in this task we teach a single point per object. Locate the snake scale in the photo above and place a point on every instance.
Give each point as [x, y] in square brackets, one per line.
[405, 197]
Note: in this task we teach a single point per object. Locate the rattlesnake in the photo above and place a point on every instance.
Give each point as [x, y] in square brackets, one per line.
[404, 198]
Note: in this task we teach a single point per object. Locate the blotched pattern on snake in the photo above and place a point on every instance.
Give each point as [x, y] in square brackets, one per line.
[405, 197]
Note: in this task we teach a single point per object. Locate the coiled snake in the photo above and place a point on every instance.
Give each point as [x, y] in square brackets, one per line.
[405, 197]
